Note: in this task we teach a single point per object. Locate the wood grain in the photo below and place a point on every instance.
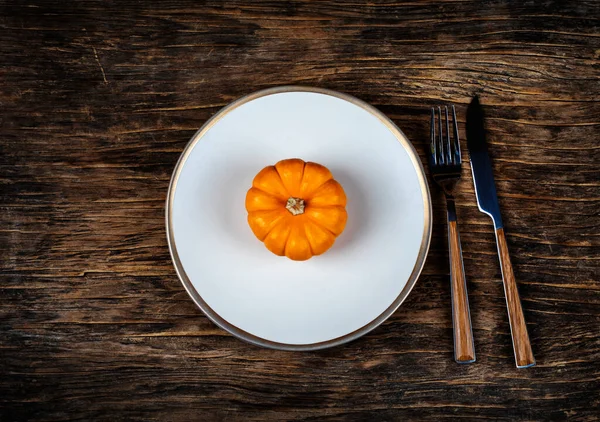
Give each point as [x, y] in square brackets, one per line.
[97, 101]
[464, 347]
[518, 328]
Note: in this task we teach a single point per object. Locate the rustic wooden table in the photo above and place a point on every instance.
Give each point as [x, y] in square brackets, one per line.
[98, 100]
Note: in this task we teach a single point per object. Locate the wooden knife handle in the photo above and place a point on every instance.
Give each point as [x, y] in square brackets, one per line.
[518, 328]
[464, 349]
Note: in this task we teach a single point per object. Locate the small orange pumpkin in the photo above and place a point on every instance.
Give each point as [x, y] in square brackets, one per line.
[297, 209]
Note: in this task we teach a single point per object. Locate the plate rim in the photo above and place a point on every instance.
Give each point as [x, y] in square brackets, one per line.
[259, 341]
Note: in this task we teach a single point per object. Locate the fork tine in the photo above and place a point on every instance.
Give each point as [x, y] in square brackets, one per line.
[440, 137]
[432, 146]
[448, 144]
[456, 139]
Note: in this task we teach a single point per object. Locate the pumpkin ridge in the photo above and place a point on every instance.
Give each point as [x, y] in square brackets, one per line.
[315, 188]
[277, 221]
[286, 242]
[327, 207]
[259, 200]
[307, 239]
[320, 225]
[281, 178]
[269, 181]
[302, 177]
[317, 192]
[280, 220]
[268, 193]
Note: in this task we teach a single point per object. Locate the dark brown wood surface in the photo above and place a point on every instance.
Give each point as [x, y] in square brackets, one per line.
[97, 101]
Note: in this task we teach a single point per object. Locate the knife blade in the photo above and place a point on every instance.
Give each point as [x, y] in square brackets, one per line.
[481, 166]
[487, 200]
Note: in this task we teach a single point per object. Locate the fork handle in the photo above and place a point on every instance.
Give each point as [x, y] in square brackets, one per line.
[464, 348]
[521, 345]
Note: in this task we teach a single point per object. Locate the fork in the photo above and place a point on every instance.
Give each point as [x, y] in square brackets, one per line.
[445, 164]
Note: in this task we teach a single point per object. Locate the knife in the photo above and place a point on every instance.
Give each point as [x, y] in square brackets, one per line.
[487, 200]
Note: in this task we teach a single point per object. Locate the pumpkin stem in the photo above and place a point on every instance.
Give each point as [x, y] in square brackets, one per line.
[295, 206]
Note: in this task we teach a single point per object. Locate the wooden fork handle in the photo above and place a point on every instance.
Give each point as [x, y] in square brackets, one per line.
[464, 348]
[521, 345]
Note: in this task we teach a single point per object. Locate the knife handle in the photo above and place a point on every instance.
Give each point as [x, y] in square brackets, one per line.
[520, 338]
[464, 348]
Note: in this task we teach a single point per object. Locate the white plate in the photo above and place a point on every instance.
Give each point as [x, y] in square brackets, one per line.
[330, 299]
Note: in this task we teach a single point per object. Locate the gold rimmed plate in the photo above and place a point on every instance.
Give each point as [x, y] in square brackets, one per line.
[330, 299]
